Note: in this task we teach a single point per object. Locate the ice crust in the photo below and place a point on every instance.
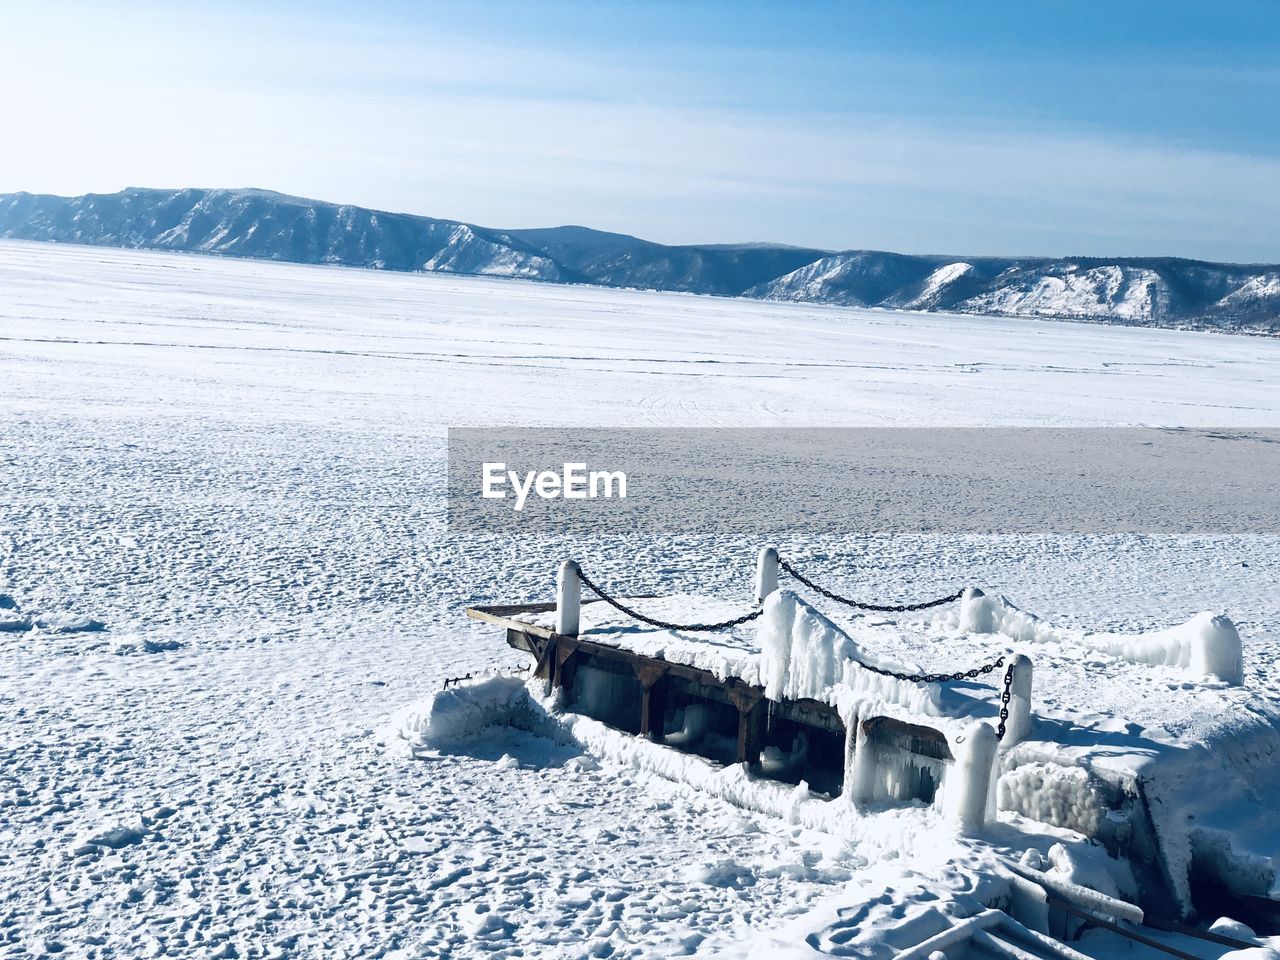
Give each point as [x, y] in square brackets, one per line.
[1207, 645]
[265, 440]
[804, 655]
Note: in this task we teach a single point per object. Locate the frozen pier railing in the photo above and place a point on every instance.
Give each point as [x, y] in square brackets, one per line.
[1137, 722]
[790, 696]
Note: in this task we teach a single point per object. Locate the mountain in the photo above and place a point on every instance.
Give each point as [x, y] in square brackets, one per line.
[1167, 292]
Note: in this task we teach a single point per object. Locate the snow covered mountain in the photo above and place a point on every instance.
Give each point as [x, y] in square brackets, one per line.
[272, 226]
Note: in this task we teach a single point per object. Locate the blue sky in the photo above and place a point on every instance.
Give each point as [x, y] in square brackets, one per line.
[1119, 128]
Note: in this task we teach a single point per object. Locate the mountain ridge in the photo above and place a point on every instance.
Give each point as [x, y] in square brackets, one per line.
[264, 224]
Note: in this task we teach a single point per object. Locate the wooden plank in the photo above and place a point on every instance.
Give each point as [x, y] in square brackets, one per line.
[521, 640]
[912, 737]
[810, 713]
[503, 616]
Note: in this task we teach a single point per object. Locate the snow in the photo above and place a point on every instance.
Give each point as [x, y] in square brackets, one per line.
[466, 711]
[936, 284]
[1127, 293]
[238, 466]
[1208, 645]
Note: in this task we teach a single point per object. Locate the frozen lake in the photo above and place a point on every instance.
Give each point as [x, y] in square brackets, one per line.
[236, 467]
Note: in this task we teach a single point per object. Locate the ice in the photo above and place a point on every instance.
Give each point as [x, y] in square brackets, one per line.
[463, 711]
[805, 655]
[245, 460]
[1052, 793]
[1207, 645]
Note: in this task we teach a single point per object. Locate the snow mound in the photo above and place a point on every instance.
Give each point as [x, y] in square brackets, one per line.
[1207, 645]
[1253, 953]
[462, 712]
[14, 620]
[114, 835]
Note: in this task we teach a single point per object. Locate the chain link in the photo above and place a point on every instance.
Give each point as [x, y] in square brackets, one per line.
[663, 624]
[935, 677]
[873, 607]
[970, 674]
[1005, 696]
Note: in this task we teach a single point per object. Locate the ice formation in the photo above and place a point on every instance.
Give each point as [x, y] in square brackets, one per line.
[462, 711]
[804, 655]
[1207, 645]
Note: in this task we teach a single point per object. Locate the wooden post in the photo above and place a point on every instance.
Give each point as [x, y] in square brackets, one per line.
[975, 612]
[568, 599]
[969, 780]
[565, 649]
[1018, 727]
[766, 573]
[751, 718]
[751, 733]
[649, 673]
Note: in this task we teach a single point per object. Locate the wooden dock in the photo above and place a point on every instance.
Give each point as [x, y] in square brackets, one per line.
[653, 697]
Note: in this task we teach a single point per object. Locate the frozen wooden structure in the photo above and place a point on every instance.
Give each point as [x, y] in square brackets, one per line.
[875, 736]
[603, 672]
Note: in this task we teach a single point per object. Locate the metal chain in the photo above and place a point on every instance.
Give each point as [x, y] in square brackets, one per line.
[1005, 696]
[663, 624]
[858, 604]
[935, 677]
[970, 674]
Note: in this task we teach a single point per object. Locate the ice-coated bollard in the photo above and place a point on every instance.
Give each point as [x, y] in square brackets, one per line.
[766, 573]
[568, 599]
[862, 788]
[975, 612]
[1018, 727]
[969, 780]
[1216, 650]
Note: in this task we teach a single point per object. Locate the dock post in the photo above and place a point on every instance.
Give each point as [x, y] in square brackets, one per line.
[969, 781]
[975, 612]
[1018, 727]
[751, 720]
[766, 573]
[862, 789]
[1216, 650]
[568, 599]
[651, 703]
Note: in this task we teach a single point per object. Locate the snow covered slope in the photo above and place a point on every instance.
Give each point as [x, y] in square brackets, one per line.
[1147, 292]
[265, 225]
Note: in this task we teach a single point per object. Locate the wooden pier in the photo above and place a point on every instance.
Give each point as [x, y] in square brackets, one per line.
[653, 697]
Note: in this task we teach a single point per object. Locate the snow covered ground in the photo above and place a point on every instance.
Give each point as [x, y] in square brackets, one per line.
[235, 468]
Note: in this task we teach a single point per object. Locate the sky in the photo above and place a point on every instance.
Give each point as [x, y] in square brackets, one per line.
[1103, 129]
